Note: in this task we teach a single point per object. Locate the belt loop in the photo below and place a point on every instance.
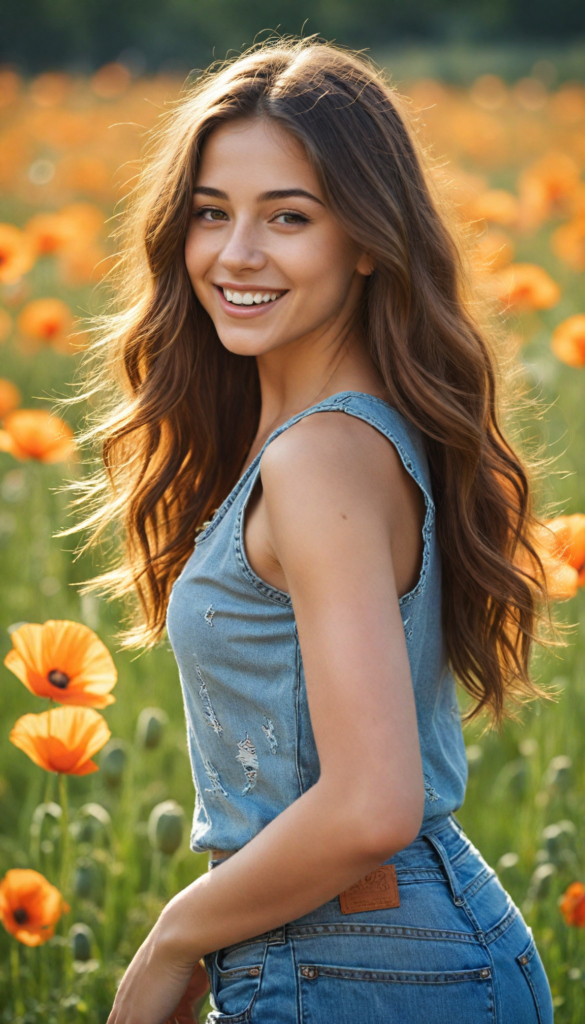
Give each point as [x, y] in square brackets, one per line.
[458, 897]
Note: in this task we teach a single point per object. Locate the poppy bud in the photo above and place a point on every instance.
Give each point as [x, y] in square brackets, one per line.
[93, 820]
[86, 880]
[113, 762]
[150, 727]
[40, 813]
[165, 826]
[81, 939]
[558, 774]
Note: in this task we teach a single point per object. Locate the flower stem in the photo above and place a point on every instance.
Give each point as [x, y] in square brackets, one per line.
[15, 972]
[64, 833]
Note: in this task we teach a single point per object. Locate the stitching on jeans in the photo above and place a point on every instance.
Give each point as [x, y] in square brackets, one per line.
[404, 977]
[502, 926]
[394, 931]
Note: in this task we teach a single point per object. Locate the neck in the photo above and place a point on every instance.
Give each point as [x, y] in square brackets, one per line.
[309, 370]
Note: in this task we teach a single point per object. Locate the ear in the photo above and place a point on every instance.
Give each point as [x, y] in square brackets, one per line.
[365, 265]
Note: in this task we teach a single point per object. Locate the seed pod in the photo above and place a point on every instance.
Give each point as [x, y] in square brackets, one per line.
[81, 940]
[51, 810]
[87, 883]
[150, 727]
[113, 762]
[92, 821]
[165, 826]
[559, 772]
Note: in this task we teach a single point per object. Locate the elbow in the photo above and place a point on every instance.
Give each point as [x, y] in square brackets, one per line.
[392, 827]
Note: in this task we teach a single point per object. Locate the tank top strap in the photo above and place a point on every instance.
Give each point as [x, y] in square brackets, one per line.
[403, 434]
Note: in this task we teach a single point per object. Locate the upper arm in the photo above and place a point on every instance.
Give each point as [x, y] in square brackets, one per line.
[334, 492]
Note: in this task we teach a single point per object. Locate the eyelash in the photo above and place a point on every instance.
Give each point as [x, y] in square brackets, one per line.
[299, 218]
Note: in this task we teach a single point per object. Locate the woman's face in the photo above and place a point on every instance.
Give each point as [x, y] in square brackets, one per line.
[266, 257]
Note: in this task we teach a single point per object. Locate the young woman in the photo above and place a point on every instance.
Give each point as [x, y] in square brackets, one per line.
[311, 401]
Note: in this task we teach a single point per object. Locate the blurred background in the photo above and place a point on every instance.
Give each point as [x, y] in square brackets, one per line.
[497, 91]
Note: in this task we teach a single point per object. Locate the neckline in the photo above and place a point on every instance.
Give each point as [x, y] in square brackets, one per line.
[230, 498]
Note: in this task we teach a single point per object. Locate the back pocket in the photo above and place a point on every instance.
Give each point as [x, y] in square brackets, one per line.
[346, 995]
[236, 974]
[534, 972]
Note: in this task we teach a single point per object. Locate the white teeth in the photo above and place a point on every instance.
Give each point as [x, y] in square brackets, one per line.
[249, 298]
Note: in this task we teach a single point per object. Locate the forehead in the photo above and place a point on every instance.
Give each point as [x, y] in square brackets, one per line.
[257, 153]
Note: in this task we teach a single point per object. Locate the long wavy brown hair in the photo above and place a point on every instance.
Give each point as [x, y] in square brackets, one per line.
[185, 410]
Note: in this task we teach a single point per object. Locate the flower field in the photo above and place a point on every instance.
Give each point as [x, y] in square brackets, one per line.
[96, 792]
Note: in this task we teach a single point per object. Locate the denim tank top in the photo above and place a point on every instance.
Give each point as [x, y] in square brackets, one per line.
[234, 636]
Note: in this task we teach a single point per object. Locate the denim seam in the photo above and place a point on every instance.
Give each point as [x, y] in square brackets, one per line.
[277, 596]
[309, 931]
[226, 504]
[502, 926]
[402, 977]
[341, 401]
[420, 585]
[298, 675]
[478, 882]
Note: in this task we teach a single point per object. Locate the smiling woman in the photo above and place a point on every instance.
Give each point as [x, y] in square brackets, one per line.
[309, 398]
[261, 246]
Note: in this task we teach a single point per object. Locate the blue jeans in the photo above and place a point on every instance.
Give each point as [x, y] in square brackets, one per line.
[456, 951]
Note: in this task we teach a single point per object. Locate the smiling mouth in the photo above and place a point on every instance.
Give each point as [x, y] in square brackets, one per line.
[249, 298]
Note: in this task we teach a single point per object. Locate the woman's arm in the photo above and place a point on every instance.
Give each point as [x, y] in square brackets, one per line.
[333, 495]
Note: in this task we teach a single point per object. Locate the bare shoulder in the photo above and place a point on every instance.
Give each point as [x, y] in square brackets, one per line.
[336, 464]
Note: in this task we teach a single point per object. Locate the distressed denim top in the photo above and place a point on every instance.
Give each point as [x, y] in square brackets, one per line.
[249, 732]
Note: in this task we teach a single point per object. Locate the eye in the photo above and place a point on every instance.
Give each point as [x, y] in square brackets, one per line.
[291, 217]
[210, 213]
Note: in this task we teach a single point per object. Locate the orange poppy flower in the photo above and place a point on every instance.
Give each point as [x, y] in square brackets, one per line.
[493, 251]
[35, 434]
[62, 739]
[495, 205]
[573, 905]
[50, 232]
[526, 286]
[547, 186]
[568, 242]
[569, 541]
[46, 320]
[17, 253]
[568, 340]
[9, 397]
[30, 906]
[560, 543]
[86, 220]
[63, 660]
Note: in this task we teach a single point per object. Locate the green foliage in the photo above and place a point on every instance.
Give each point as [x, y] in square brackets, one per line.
[39, 34]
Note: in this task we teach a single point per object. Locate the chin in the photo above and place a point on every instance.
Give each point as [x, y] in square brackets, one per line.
[247, 346]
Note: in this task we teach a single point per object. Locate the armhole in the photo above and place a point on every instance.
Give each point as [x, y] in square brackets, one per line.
[408, 461]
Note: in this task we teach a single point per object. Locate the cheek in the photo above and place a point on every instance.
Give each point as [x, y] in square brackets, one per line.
[324, 267]
[198, 255]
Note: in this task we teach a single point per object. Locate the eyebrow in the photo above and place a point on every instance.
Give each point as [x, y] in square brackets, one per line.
[283, 193]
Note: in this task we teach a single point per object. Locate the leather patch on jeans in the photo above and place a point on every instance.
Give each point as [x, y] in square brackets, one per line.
[377, 891]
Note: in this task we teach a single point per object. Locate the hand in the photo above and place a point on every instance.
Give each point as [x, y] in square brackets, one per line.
[158, 980]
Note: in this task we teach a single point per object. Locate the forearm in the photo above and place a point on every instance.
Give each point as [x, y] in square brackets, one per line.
[307, 855]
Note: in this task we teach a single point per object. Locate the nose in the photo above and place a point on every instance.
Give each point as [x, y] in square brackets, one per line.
[242, 250]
